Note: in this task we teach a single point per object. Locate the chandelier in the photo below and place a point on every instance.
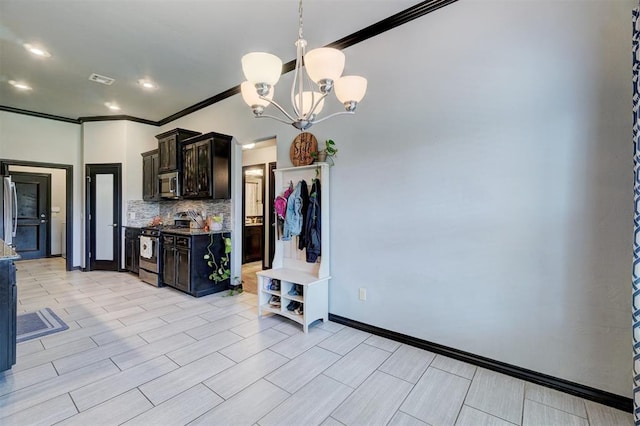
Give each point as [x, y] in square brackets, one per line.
[324, 68]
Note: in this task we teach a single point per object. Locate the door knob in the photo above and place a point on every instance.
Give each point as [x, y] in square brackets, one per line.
[115, 225]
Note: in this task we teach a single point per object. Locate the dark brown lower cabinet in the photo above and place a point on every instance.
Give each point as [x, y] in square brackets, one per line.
[132, 249]
[252, 243]
[168, 265]
[183, 263]
[8, 306]
[184, 266]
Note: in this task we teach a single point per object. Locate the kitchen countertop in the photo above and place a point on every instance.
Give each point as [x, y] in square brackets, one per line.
[192, 231]
[7, 253]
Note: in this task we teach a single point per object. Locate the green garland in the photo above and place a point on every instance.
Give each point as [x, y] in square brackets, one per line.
[221, 270]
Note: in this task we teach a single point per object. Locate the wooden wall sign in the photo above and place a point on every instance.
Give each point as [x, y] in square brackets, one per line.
[301, 148]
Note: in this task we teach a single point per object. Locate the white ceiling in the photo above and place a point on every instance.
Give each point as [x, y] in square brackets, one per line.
[190, 48]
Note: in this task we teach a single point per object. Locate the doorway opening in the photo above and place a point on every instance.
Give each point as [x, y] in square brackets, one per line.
[258, 193]
[33, 234]
[59, 215]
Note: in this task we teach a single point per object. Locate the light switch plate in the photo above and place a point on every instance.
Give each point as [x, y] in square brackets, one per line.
[362, 294]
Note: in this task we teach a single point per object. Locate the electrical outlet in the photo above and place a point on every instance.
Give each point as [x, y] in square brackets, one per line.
[132, 215]
[362, 294]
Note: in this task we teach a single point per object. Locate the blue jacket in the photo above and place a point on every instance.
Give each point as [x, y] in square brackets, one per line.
[293, 218]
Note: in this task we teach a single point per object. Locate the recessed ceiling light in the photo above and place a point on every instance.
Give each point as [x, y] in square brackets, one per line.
[112, 106]
[147, 84]
[37, 50]
[19, 85]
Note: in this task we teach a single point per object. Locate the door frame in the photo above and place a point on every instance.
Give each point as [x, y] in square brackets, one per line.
[259, 166]
[4, 170]
[47, 176]
[87, 209]
[267, 261]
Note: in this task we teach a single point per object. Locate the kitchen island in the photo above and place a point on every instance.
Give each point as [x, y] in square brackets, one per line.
[8, 302]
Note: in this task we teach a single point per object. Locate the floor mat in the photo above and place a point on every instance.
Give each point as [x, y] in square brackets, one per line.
[32, 325]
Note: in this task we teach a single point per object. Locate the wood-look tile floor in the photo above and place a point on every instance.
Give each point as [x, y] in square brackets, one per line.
[139, 355]
[249, 278]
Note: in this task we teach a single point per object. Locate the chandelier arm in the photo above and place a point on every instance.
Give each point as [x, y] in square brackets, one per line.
[297, 77]
[315, 105]
[333, 115]
[282, 110]
[274, 118]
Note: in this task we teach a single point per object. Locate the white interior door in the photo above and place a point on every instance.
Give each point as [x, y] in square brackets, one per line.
[105, 222]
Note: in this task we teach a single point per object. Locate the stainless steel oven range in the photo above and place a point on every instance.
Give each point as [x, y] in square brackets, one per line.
[150, 256]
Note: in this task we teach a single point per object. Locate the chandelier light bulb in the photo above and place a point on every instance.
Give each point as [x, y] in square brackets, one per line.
[261, 67]
[351, 88]
[308, 99]
[324, 63]
[250, 95]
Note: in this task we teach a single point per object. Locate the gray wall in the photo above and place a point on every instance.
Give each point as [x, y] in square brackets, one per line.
[504, 206]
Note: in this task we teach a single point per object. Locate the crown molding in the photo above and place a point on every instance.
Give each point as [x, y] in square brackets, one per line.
[117, 118]
[38, 114]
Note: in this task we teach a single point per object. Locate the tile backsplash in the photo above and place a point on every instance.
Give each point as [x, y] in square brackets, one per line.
[207, 207]
[145, 211]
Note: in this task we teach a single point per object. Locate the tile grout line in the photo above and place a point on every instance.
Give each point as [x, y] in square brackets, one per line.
[413, 385]
[466, 394]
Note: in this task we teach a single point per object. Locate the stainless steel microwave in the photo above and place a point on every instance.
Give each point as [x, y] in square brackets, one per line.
[169, 184]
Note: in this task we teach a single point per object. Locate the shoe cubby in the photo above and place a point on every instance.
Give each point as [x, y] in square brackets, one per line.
[313, 300]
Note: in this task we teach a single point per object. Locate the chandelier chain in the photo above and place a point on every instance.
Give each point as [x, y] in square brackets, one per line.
[300, 20]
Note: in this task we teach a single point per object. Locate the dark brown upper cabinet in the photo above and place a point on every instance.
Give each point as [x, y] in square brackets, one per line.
[169, 152]
[150, 164]
[206, 170]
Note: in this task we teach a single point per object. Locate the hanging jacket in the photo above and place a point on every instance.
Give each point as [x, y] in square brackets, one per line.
[304, 195]
[280, 210]
[293, 218]
[280, 203]
[312, 228]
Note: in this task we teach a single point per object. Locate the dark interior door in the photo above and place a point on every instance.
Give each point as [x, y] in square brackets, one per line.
[33, 191]
[103, 208]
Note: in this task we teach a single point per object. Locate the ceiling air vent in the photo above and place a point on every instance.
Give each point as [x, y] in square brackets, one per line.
[101, 79]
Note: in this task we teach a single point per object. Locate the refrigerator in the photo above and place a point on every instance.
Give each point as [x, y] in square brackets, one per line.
[9, 210]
